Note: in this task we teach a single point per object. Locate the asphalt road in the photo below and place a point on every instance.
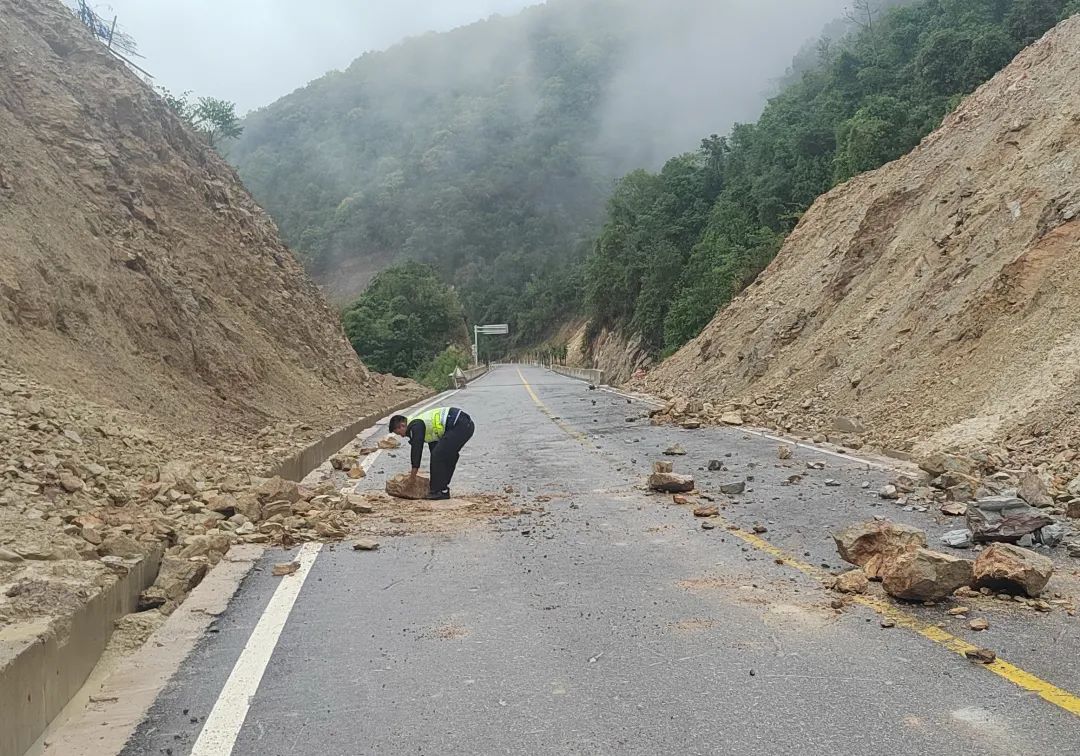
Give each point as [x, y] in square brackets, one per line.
[612, 623]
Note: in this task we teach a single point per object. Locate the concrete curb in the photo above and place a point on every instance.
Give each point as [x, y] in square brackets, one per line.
[130, 689]
[299, 466]
[43, 666]
[303, 462]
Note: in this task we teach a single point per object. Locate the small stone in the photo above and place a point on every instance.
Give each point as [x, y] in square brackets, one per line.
[954, 509]
[889, 493]
[760, 529]
[732, 418]
[120, 545]
[979, 624]
[71, 483]
[662, 467]
[7, 555]
[691, 424]
[675, 451]
[715, 465]
[981, 655]
[833, 483]
[708, 525]
[680, 500]
[390, 442]
[288, 568]
[357, 473]
[959, 611]
[958, 539]
[365, 544]
[836, 604]
[709, 510]
[887, 623]
[734, 488]
[784, 452]
[671, 483]
[853, 581]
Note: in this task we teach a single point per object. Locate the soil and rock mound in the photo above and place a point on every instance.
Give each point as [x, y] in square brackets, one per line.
[160, 348]
[933, 304]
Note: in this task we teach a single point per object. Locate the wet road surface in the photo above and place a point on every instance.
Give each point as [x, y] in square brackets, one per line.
[610, 622]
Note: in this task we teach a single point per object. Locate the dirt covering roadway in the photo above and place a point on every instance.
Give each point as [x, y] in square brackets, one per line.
[608, 619]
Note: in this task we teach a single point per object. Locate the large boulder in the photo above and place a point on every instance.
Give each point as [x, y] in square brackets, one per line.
[667, 482]
[278, 489]
[939, 463]
[1035, 490]
[1005, 568]
[177, 578]
[405, 486]
[871, 545]
[1004, 518]
[925, 575]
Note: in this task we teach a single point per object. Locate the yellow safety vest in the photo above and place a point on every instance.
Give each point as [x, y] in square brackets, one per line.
[434, 423]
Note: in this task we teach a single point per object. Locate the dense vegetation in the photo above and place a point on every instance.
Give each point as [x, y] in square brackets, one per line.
[470, 151]
[679, 244]
[409, 323]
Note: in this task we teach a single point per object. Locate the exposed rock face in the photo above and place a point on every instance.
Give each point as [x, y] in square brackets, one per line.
[1008, 568]
[871, 545]
[924, 575]
[901, 293]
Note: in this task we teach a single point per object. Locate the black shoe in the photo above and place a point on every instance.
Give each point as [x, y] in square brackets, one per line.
[440, 496]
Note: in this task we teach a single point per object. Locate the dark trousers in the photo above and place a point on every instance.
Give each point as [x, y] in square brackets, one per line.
[445, 454]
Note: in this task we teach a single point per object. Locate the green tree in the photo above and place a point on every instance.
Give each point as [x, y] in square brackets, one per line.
[179, 104]
[216, 119]
[404, 320]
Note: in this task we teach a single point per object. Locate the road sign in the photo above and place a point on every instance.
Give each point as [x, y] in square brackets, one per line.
[500, 329]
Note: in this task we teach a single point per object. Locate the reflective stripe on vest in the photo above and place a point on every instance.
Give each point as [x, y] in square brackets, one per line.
[434, 423]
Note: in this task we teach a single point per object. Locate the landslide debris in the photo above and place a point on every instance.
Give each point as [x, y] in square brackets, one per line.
[933, 304]
[160, 348]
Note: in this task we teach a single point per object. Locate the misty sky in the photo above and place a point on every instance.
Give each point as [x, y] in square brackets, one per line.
[255, 51]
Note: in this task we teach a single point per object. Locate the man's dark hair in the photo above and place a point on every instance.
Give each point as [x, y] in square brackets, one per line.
[397, 420]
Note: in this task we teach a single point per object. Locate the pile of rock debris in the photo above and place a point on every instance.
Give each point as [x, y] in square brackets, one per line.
[897, 556]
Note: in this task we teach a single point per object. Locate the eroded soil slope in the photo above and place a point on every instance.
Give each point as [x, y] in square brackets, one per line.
[934, 302]
[160, 348]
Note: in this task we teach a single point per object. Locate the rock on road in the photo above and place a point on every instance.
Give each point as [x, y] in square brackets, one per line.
[612, 622]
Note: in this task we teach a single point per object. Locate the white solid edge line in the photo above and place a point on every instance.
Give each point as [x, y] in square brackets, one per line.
[222, 727]
[764, 434]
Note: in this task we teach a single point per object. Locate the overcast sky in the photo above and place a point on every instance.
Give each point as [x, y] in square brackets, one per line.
[255, 51]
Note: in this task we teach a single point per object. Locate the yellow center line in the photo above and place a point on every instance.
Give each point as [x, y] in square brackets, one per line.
[1014, 674]
[565, 427]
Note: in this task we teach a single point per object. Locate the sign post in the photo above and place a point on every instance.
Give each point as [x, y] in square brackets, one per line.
[501, 329]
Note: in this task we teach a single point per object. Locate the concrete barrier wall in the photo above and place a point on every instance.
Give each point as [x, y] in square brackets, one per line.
[43, 666]
[582, 374]
[474, 373]
[303, 462]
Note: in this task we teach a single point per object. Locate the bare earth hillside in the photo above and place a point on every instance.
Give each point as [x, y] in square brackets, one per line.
[160, 349]
[135, 268]
[934, 302]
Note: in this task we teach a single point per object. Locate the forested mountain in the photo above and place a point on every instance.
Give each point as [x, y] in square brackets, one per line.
[680, 243]
[490, 151]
